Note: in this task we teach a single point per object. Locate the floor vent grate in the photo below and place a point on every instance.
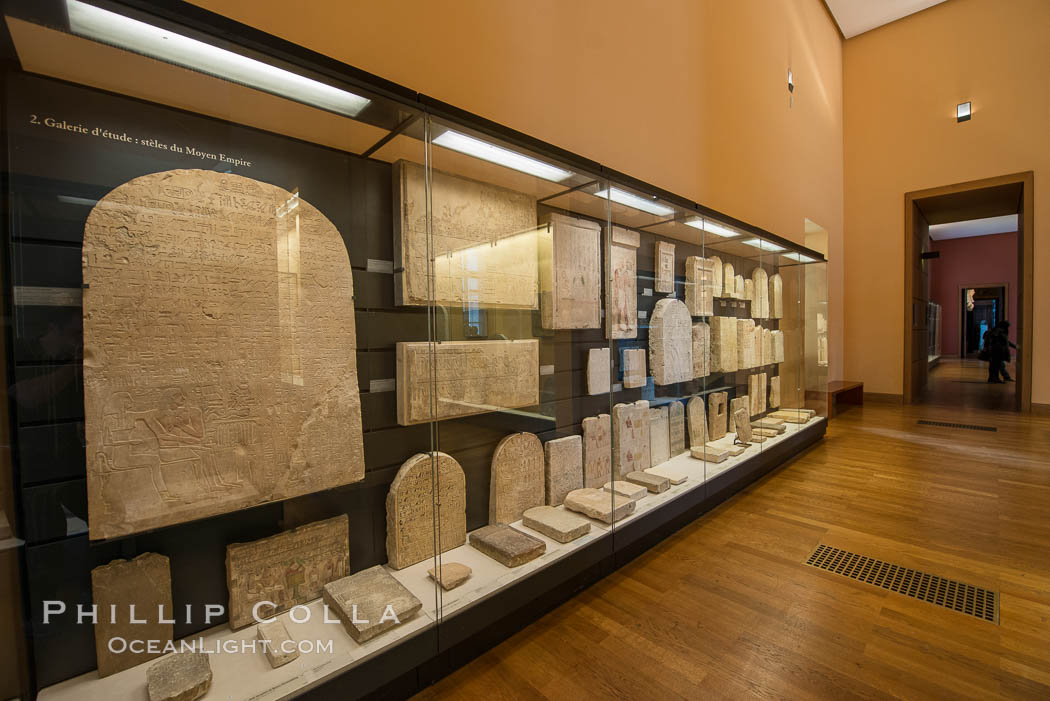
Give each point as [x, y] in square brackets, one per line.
[957, 596]
[946, 424]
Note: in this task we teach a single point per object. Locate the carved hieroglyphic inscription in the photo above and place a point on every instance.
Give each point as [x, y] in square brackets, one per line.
[144, 582]
[745, 344]
[766, 357]
[517, 481]
[749, 292]
[729, 281]
[756, 389]
[659, 436]
[621, 284]
[570, 273]
[735, 404]
[664, 267]
[778, 346]
[700, 287]
[671, 342]
[739, 287]
[473, 377]
[776, 296]
[597, 450]
[697, 417]
[563, 468]
[483, 241]
[286, 569]
[634, 367]
[598, 381]
[410, 503]
[701, 349]
[630, 437]
[760, 296]
[716, 415]
[723, 344]
[774, 392]
[715, 264]
[676, 427]
[220, 367]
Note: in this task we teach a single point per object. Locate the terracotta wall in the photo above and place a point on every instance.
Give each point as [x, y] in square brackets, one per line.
[690, 95]
[974, 261]
[901, 84]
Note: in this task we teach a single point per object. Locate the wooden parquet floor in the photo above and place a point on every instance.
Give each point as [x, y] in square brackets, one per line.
[726, 608]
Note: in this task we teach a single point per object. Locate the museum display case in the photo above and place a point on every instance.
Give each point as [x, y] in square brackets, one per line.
[317, 384]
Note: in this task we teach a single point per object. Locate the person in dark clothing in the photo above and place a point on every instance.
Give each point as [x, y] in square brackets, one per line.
[997, 342]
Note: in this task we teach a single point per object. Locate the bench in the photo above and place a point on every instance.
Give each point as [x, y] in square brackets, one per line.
[843, 393]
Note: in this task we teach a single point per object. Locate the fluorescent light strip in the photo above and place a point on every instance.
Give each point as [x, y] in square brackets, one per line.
[764, 245]
[712, 227]
[799, 257]
[115, 29]
[70, 199]
[502, 156]
[634, 201]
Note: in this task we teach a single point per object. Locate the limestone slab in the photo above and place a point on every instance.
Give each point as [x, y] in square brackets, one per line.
[735, 404]
[621, 284]
[729, 281]
[791, 416]
[757, 335]
[778, 346]
[700, 289]
[181, 676]
[634, 372]
[653, 483]
[599, 504]
[669, 473]
[467, 378]
[597, 450]
[557, 524]
[570, 273]
[745, 344]
[749, 291]
[450, 574]
[671, 342]
[701, 349]
[598, 371]
[517, 480]
[743, 425]
[480, 234]
[220, 363]
[145, 583]
[723, 344]
[756, 389]
[764, 432]
[676, 427]
[286, 569]
[739, 287]
[715, 264]
[626, 489]
[664, 256]
[659, 436]
[423, 480]
[278, 645]
[774, 392]
[709, 453]
[776, 296]
[507, 546]
[770, 423]
[717, 419]
[697, 419]
[563, 467]
[767, 348]
[370, 603]
[760, 299]
[630, 423]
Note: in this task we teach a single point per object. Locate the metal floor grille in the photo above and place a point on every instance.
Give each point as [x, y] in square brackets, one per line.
[946, 424]
[957, 596]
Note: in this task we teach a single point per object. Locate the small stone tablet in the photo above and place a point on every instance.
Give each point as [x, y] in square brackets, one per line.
[279, 647]
[557, 524]
[777, 425]
[709, 453]
[452, 575]
[743, 425]
[654, 483]
[181, 676]
[626, 489]
[673, 476]
[507, 546]
[599, 504]
[735, 450]
[764, 432]
[370, 602]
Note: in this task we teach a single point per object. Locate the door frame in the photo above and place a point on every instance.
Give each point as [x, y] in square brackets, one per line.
[962, 312]
[1025, 274]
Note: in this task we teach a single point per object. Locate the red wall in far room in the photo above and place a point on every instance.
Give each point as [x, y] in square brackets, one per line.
[978, 261]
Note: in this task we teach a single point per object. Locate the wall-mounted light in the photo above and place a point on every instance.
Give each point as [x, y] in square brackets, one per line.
[634, 201]
[962, 112]
[504, 157]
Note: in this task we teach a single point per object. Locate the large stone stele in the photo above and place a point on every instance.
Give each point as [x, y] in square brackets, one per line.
[716, 415]
[570, 273]
[776, 296]
[630, 437]
[774, 392]
[220, 363]
[659, 436]
[723, 344]
[745, 344]
[664, 254]
[507, 546]
[597, 450]
[676, 427]
[599, 504]
[598, 371]
[697, 420]
[145, 583]
[181, 676]
[634, 368]
[700, 285]
[671, 342]
[422, 481]
[701, 350]
[621, 283]
[286, 569]
[517, 480]
[563, 467]
[370, 602]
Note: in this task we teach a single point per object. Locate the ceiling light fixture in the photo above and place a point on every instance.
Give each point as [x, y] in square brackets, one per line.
[631, 200]
[764, 245]
[502, 156]
[799, 257]
[962, 112]
[711, 227]
[126, 33]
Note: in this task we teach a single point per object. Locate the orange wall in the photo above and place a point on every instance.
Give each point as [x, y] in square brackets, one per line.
[690, 95]
[901, 84]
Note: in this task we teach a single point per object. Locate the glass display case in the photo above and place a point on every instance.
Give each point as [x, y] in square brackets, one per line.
[315, 382]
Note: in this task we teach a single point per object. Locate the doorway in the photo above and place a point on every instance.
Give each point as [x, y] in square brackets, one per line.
[973, 305]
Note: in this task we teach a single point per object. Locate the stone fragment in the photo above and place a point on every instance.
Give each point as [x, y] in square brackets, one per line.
[770, 423]
[717, 419]
[370, 602]
[625, 489]
[634, 372]
[669, 473]
[729, 281]
[654, 483]
[599, 504]
[760, 299]
[285, 569]
[778, 346]
[278, 646]
[700, 286]
[715, 264]
[749, 291]
[664, 256]
[743, 425]
[739, 287]
[659, 436]
[517, 481]
[480, 248]
[676, 427]
[181, 676]
[671, 342]
[506, 545]
[472, 377]
[756, 389]
[701, 349]
[621, 283]
[697, 415]
[723, 344]
[709, 453]
[774, 392]
[764, 432]
[630, 437]
[735, 450]
[450, 574]
[791, 416]
[570, 273]
[598, 371]
[410, 508]
[742, 402]
[563, 467]
[776, 296]
[745, 344]
[767, 348]
[145, 583]
[597, 450]
[220, 351]
[557, 524]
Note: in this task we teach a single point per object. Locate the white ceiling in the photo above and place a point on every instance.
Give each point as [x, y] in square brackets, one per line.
[858, 16]
[974, 227]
